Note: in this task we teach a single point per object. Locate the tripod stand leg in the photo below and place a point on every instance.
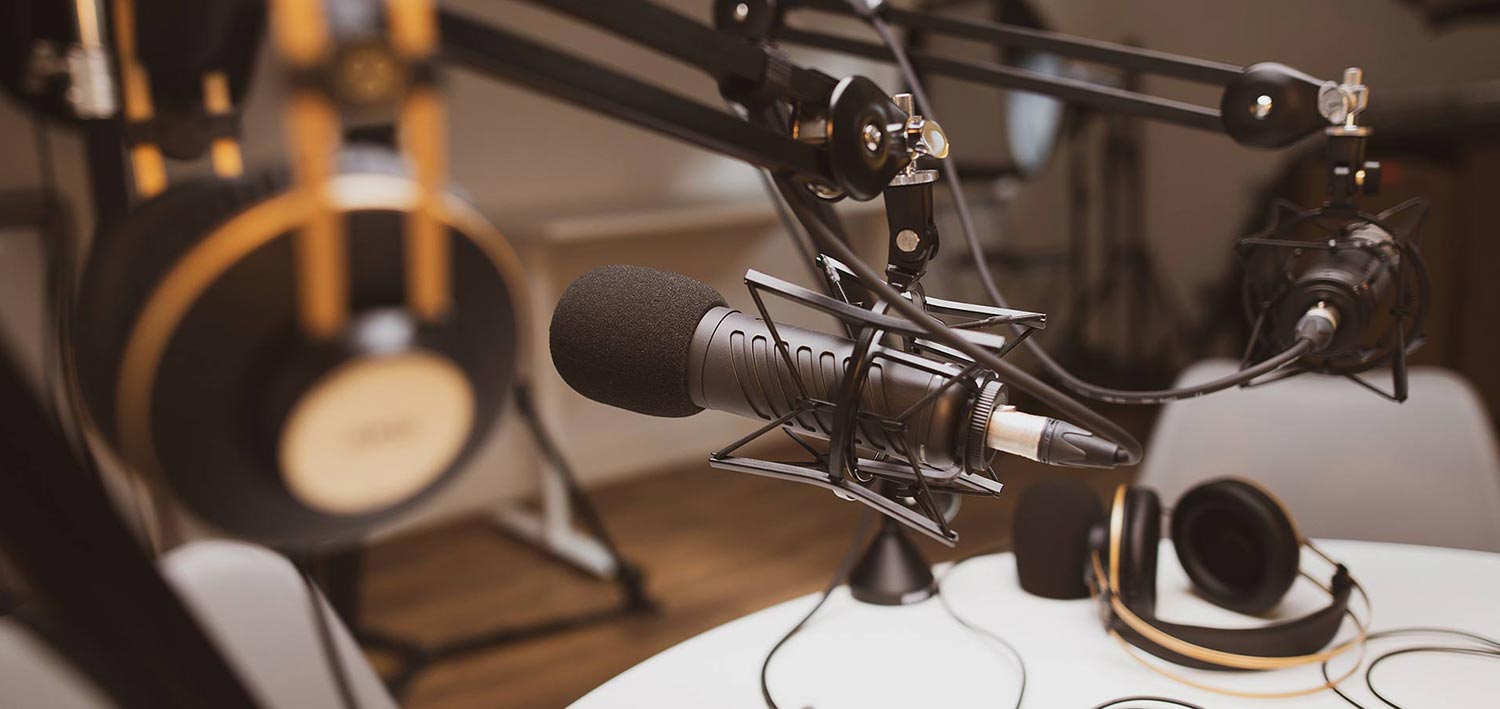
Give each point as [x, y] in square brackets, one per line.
[553, 531]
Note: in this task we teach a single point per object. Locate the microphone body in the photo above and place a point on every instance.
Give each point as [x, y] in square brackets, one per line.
[734, 366]
[662, 344]
[1336, 297]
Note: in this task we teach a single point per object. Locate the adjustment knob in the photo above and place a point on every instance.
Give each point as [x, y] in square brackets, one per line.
[924, 137]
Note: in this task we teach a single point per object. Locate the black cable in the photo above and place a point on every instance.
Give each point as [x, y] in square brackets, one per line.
[1147, 698]
[55, 268]
[60, 249]
[793, 228]
[332, 656]
[987, 279]
[1370, 671]
[1014, 376]
[799, 236]
[1163, 396]
[1020, 663]
[861, 531]
[1394, 632]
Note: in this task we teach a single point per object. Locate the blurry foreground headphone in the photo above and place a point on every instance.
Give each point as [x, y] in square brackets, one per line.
[1237, 543]
[297, 359]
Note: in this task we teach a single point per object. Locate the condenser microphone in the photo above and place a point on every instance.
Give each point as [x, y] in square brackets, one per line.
[1335, 296]
[662, 344]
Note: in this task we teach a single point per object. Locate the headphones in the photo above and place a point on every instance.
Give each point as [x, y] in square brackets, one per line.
[1235, 540]
[298, 357]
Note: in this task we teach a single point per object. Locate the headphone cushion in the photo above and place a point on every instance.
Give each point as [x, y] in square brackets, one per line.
[1051, 537]
[1140, 542]
[126, 263]
[1237, 545]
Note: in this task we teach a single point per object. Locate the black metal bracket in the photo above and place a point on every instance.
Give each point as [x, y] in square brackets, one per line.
[854, 151]
[913, 232]
[907, 487]
[1293, 95]
[1295, 232]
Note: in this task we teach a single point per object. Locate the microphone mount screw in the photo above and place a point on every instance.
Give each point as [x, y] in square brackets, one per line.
[924, 138]
[874, 136]
[908, 240]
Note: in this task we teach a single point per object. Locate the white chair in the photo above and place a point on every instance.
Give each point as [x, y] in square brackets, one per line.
[256, 608]
[1347, 463]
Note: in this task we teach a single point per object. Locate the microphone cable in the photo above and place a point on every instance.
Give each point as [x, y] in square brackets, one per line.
[845, 566]
[983, 632]
[1070, 408]
[987, 280]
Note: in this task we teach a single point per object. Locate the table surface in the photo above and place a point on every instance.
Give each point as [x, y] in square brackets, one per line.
[857, 655]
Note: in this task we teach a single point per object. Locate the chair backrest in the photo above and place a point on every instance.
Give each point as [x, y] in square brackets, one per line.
[255, 607]
[1347, 463]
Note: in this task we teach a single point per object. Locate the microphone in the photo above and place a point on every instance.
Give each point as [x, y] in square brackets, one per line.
[1336, 296]
[663, 344]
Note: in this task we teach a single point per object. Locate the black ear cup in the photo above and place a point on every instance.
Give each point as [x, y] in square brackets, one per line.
[125, 264]
[1051, 537]
[222, 406]
[1237, 545]
[1139, 544]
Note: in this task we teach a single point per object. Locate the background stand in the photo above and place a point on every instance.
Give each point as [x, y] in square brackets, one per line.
[593, 553]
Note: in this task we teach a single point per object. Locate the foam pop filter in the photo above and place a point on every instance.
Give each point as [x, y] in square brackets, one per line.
[620, 336]
[1051, 537]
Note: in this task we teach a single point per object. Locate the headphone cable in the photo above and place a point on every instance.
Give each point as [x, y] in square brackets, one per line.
[1492, 651]
[1370, 671]
[1146, 698]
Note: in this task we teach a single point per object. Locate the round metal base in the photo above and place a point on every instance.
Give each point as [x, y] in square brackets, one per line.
[892, 570]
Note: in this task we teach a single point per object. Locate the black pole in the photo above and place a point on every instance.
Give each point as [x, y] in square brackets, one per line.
[1077, 91]
[76, 553]
[108, 189]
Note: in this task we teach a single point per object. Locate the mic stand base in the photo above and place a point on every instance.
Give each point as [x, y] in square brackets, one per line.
[892, 571]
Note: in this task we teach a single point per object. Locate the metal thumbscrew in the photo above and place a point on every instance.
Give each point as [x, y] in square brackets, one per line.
[874, 135]
[923, 135]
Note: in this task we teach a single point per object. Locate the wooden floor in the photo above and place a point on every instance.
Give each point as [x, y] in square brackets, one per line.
[715, 546]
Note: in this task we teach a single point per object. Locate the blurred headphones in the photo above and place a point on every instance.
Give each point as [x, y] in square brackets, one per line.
[297, 358]
[1237, 543]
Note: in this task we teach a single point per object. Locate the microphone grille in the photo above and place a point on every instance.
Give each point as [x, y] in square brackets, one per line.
[620, 335]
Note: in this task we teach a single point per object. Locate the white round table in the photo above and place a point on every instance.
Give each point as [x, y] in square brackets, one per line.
[862, 656]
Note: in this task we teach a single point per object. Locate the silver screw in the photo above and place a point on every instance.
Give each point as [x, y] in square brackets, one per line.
[741, 12]
[1262, 107]
[874, 135]
[907, 240]
[906, 102]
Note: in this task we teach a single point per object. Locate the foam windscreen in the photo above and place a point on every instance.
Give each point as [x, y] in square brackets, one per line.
[1051, 537]
[620, 335]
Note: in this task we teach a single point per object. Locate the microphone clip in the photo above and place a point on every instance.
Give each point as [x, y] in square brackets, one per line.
[903, 486]
[1363, 273]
